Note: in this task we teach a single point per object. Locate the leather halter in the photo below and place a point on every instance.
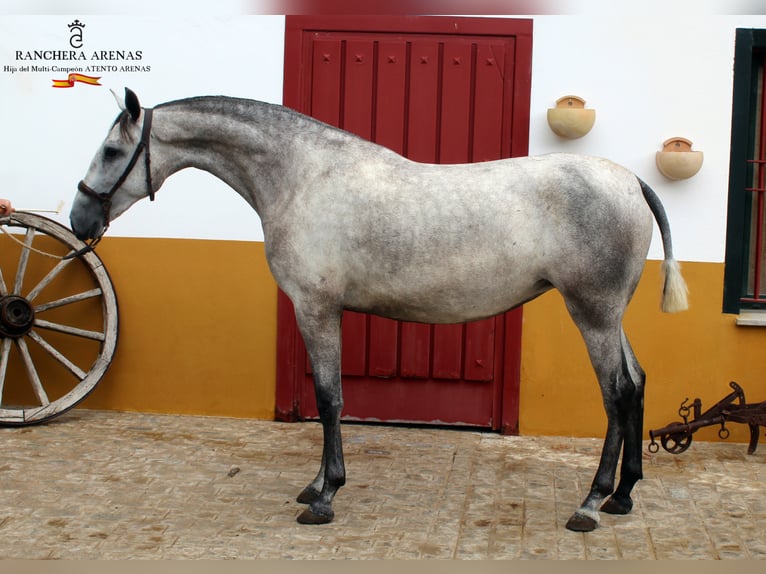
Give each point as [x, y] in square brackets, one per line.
[106, 198]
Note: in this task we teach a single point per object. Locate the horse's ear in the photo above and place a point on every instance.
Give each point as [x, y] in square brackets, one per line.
[132, 104]
[118, 99]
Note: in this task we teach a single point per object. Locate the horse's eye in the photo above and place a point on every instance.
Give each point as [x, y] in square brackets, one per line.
[111, 153]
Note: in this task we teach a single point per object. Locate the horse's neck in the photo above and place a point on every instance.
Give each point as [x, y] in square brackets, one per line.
[254, 153]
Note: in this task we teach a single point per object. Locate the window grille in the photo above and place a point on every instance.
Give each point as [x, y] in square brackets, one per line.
[756, 267]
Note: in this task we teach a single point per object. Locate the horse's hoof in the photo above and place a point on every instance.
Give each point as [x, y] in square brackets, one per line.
[309, 495]
[618, 505]
[581, 523]
[310, 516]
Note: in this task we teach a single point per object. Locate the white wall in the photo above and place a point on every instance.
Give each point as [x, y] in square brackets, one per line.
[649, 76]
[50, 135]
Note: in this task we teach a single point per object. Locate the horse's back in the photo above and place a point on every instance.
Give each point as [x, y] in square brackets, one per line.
[522, 213]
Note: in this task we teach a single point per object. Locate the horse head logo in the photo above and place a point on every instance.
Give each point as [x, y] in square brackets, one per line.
[75, 34]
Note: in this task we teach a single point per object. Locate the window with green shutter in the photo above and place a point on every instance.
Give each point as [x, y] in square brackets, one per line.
[745, 270]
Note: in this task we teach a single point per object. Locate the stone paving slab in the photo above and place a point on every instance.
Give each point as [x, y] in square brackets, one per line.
[109, 485]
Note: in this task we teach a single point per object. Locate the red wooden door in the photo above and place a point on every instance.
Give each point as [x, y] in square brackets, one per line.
[438, 90]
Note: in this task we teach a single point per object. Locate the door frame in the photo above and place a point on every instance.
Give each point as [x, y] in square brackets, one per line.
[290, 351]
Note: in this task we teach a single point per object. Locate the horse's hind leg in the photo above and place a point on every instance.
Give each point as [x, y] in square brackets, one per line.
[321, 334]
[603, 337]
[633, 413]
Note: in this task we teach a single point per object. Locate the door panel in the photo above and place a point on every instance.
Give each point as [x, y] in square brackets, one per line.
[434, 96]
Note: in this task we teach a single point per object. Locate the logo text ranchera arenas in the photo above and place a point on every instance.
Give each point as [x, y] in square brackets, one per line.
[74, 55]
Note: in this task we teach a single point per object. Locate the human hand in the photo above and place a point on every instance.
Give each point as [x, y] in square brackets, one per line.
[5, 207]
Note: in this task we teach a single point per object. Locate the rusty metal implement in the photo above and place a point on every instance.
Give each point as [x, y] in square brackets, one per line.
[677, 437]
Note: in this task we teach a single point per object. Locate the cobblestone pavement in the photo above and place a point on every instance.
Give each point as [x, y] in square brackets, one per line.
[108, 485]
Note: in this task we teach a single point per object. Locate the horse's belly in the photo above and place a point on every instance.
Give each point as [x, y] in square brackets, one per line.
[443, 302]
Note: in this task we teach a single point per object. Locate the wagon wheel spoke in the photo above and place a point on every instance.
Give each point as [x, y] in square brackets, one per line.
[34, 377]
[68, 300]
[76, 331]
[52, 274]
[3, 288]
[58, 355]
[23, 260]
[4, 355]
[58, 340]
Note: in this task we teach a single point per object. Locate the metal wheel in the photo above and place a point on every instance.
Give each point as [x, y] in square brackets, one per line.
[58, 320]
[676, 443]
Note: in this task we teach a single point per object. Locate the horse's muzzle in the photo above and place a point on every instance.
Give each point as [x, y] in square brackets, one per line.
[89, 232]
[86, 225]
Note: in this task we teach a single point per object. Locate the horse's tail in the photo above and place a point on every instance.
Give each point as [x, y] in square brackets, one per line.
[674, 292]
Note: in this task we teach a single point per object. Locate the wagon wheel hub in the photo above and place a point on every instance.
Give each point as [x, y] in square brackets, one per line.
[16, 316]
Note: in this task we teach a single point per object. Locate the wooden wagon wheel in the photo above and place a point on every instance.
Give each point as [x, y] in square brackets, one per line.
[58, 320]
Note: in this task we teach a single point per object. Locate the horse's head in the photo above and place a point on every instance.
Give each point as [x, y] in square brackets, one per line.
[116, 178]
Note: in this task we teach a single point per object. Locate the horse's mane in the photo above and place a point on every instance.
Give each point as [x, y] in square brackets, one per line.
[246, 111]
[124, 119]
[240, 108]
[249, 111]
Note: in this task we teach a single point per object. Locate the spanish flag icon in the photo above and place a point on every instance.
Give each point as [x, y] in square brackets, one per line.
[73, 78]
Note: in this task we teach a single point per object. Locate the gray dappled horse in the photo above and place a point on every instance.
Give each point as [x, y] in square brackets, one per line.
[348, 224]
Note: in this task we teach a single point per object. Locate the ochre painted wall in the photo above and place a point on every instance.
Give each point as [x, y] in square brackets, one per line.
[197, 328]
[691, 354]
[198, 336]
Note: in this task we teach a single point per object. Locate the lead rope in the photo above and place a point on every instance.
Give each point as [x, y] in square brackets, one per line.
[33, 249]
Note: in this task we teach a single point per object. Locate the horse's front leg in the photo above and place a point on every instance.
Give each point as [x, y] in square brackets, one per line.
[321, 333]
[311, 492]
